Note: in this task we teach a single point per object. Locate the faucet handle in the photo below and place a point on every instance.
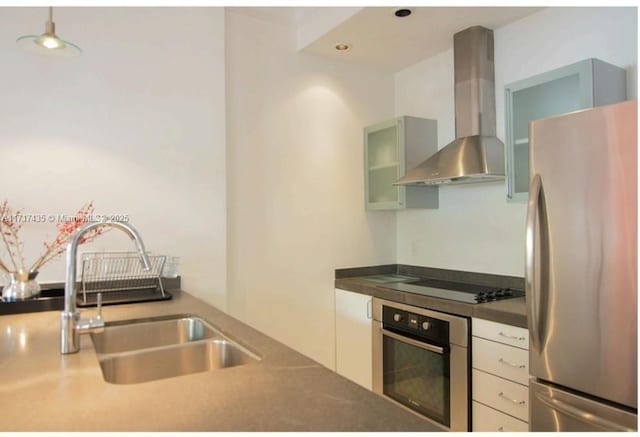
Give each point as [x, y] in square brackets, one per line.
[92, 324]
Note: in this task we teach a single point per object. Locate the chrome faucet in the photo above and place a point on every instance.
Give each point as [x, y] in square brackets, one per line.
[71, 325]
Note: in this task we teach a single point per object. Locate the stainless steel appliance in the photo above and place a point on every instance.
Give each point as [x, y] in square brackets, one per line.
[421, 361]
[476, 155]
[580, 274]
[459, 291]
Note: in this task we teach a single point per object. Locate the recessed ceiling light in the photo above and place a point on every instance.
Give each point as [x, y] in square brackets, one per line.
[343, 47]
[403, 13]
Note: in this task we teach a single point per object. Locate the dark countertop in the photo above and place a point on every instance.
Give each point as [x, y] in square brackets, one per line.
[41, 390]
[51, 298]
[508, 311]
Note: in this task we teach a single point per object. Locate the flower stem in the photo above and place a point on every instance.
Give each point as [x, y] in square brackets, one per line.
[8, 245]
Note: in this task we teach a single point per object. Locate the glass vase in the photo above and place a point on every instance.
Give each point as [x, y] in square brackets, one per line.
[22, 285]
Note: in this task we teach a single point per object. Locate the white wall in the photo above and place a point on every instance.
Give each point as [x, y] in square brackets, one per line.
[136, 124]
[475, 229]
[295, 182]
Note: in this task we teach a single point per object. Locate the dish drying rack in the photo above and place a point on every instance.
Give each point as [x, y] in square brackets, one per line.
[121, 278]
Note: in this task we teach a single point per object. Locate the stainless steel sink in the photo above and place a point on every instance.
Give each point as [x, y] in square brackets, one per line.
[143, 334]
[168, 362]
[146, 350]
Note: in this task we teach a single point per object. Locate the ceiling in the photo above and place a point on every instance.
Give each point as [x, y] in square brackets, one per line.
[281, 15]
[380, 39]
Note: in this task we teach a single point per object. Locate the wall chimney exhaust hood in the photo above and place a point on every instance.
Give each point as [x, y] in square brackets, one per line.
[477, 155]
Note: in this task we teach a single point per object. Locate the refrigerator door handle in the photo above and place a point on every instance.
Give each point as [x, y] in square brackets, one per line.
[581, 415]
[531, 286]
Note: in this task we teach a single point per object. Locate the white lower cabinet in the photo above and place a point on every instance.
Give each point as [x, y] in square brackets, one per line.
[499, 359]
[354, 353]
[501, 333]
[501, 394]
[500, 375]
[486, 419]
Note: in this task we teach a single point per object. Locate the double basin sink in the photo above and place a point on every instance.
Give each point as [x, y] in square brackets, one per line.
[144, 350]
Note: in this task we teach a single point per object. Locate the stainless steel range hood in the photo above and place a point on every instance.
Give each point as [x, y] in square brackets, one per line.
[477, 155]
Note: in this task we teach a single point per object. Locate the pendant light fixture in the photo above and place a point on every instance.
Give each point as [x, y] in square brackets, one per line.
[48, 43]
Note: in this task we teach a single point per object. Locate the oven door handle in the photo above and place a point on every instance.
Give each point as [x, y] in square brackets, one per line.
[416, 343]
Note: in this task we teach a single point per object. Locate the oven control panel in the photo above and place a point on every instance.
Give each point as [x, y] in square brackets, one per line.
[418, 325]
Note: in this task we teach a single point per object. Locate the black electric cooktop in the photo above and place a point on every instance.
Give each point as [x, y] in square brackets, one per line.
[459, 291]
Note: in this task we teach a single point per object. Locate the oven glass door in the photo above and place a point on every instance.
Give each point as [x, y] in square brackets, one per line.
[416, 374]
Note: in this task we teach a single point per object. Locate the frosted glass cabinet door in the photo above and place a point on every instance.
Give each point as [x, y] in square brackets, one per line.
[577, 86]
[383, 165]
[391, 148]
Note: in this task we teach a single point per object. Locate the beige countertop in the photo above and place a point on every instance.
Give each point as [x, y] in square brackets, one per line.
[41, 390]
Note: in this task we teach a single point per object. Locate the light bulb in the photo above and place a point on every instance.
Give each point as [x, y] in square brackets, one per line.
[50, 42]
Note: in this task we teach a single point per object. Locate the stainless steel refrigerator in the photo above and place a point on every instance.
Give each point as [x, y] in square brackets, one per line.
[580, 274]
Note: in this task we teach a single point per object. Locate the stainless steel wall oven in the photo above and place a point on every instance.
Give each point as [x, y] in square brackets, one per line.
[421, 360]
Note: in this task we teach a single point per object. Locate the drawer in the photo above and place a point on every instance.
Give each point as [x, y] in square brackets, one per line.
[507, 334]
[486, 419]
[503, 395]
[501, 360]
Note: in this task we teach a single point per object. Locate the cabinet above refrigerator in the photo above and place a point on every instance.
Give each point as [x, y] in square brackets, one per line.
[585, 84]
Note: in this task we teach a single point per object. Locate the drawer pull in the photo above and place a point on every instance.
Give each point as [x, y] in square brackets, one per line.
[502, 395]
[501, 429]
[513, 337]
[505, 362]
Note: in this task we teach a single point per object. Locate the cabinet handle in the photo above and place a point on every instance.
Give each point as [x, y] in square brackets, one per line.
[369, 309]
[501, 429]
[505, 362]
[513, 337]
[503, 396]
